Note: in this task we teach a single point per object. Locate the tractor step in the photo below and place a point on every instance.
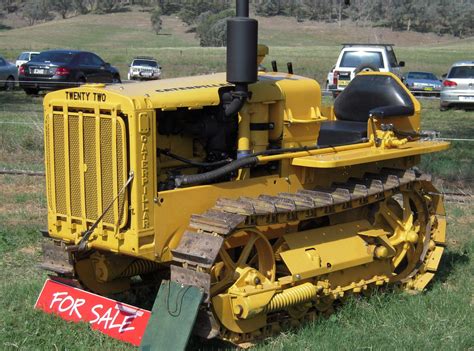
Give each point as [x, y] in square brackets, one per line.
[172, 318]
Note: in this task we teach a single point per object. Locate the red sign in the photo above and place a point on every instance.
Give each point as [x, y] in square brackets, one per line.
[116, 319]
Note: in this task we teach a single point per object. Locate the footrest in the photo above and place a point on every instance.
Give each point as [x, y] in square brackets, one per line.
[172, 318]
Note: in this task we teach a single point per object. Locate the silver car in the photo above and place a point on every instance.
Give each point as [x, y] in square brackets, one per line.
[458, 86]
[8, 74]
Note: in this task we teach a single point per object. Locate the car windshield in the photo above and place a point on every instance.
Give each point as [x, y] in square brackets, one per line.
[461, 72]
[147, 63]
[422, 75]
[58, 57]
[356, 58]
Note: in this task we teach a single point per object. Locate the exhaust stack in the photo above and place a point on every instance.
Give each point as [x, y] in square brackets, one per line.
[242, 68]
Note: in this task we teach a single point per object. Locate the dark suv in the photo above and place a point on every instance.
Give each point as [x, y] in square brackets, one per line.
[59, 69]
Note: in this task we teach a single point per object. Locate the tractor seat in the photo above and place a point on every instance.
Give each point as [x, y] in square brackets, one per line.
[379, 95]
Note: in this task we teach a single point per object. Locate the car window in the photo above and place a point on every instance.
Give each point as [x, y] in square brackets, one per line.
[55, 56]
[356, 58]
[32, 56]
[392, 60]
[461, 72]
[23, 57]
[2, 62]
[96, 60]
[148, 63]
[422, 75]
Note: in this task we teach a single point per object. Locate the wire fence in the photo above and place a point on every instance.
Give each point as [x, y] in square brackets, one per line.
[326, 92]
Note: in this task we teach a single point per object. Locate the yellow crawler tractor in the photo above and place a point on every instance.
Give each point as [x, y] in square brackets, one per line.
[249, 204]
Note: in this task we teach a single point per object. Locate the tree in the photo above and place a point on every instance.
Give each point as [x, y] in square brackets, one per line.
[169, 7]
[212, 28]
[37, 10]
[80, 6]
[107, 6]
[63, 7]
[156, 20]
[192, 9]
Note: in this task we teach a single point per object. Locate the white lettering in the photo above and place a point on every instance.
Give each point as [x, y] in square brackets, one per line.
[126, 322]
[97, 315]
[67, 299]
[106, 318]
[56, 299]
[75, 308]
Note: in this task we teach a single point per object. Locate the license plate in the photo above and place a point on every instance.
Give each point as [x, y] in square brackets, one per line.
[428, 88]
[38, 71]
[466, 98]
[146, 74]
[343, 83]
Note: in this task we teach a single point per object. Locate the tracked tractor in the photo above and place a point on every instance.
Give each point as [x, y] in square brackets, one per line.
[248, 204]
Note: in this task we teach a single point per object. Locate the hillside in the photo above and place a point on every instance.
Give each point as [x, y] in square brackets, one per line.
[314, 46]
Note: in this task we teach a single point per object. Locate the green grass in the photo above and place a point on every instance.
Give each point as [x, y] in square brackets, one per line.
[440, 318]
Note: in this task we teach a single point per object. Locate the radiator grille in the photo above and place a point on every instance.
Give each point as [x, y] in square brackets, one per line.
[88, 165]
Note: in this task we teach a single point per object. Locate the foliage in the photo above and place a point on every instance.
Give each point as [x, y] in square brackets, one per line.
[168, 7]
[192, 9]
[37, 10]
[438, 16]
[212, 28]
[156, 21]
[63, 7]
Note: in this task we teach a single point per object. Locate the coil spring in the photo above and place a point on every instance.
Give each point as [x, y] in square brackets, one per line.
[292, 296]
[139, 267]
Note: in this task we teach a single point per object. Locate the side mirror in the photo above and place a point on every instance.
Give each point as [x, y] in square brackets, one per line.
[444, 75]
[401, 63]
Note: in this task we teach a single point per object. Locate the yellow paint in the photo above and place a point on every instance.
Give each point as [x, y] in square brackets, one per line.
[96, 135]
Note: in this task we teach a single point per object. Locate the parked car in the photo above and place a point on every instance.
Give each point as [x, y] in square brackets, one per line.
[58, 69]
[8, 74]
[144, 68]
[423, 82]
[356, 58]
[458, 86]
[24, 57]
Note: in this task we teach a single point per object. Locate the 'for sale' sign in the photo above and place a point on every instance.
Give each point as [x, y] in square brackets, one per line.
[116, 319]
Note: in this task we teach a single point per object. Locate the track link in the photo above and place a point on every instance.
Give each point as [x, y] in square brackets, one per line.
[199, 246]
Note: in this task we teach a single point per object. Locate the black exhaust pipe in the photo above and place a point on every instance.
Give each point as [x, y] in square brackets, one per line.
[242, 68]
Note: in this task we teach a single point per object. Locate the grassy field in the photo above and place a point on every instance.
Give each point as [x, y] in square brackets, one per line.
[440, 318]
[314, 46]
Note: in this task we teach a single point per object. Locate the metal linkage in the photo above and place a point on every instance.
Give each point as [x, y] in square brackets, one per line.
[198, 250]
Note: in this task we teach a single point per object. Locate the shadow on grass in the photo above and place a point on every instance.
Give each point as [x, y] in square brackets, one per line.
[449, 262]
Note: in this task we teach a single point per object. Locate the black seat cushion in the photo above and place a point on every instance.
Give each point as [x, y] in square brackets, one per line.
[368, 92]
[333, 133]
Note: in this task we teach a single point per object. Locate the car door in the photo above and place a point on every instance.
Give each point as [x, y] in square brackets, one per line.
[87, 67]
[104, 74]
[3, 71]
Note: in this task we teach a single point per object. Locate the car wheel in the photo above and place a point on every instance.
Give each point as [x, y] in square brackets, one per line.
[31, 91]
[366, 67]
[116, 79]
[443, 108]
[81, 81]
[10, 84]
